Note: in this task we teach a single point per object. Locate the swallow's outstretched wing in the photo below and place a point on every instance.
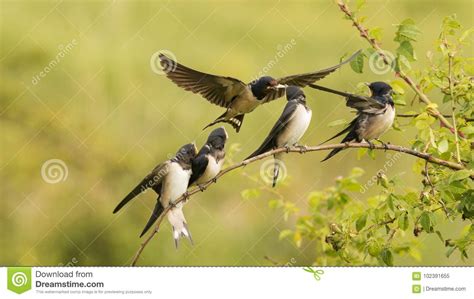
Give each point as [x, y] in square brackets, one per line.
[302, 80]
[218, 90]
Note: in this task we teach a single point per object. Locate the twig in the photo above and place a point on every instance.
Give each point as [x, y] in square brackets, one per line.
[445, 115]
[376, 46]
[275, 263]
[389, 221]
[453, 108]
[425, 156]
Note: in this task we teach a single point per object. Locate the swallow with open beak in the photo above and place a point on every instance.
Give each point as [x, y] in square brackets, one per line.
[288, 129]
[375, 114]
[209, 160]
[234, 95]
[170, 181]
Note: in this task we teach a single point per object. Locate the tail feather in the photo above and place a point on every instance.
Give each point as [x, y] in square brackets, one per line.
[180, 227]
[326, 89]
[137, 190]
[276, 171]
[332, 153]
[235, 122]
[154, 216]
[350, 127]
[349, 137]
[265, 147]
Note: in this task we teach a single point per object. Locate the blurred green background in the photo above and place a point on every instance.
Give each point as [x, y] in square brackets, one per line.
[104, 112]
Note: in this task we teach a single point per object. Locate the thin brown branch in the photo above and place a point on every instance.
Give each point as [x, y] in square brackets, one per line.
[417, 114]
[194, 190]
[453, 107]
[389, 221]
[275, 263]
[364, 33]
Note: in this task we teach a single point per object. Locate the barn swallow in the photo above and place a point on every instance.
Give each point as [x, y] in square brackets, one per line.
[210, 158]
[375, 114]
[170, 181]
[288, 129]
[237, 97]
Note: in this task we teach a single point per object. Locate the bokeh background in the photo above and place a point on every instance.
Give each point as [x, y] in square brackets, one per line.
[110, 119]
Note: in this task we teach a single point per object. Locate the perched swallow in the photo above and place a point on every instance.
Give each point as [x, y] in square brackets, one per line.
[170, 181]
[210, 158]
[288, 129]
[237, 97]
[375, 114]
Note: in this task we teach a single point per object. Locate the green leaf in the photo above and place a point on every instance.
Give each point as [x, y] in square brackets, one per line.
[423, 121]
[438, 233]
[406, 49]
[360, 4]
[376, 33]
[357, 64]
[402, 64]
[387, 257]
[407, 31]
[450, 251]
[460, 175]
[374, 248]
[284, 234]
[390, 202]
[356, 172]
[425, 222]
[466, 34]
[297, 239]
[360, 222]
[250, 193]
[443, 146]
[275, 203]
[450, 25]
[399, 100]
[397, 86]
[403, 221]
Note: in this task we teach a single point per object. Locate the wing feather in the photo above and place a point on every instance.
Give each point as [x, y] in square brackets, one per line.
[270, 142]
[302, 80]
[153, 179]
[216, 89]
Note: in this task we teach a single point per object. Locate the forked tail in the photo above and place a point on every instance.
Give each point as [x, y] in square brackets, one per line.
[235, 122]
[178, 222]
